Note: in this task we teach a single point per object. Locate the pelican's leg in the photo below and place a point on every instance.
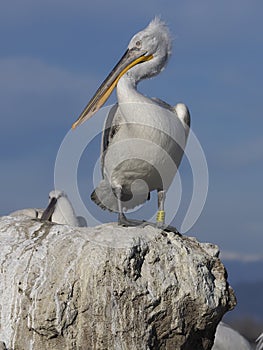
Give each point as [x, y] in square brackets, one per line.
[121, 216]
[122, 220]
[160, 217]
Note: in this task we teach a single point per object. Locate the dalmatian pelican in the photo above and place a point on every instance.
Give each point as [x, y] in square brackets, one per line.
[144, 138]
[60, 211]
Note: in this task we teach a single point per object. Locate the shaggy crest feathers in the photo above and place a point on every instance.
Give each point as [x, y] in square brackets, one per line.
[157, 25]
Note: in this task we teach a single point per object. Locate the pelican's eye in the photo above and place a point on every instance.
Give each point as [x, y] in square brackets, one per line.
[138, 44]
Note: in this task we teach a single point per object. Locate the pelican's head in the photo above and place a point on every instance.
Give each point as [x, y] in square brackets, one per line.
[59, 209]
[53, 198]
[154, 41]
[56, 194]
[146, 56]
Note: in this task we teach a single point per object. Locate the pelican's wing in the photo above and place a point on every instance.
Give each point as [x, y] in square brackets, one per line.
[163, 104]
[110, 128]
[183, 114]
[180, 109]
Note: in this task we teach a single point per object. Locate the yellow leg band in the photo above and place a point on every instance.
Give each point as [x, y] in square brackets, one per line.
[160, 216]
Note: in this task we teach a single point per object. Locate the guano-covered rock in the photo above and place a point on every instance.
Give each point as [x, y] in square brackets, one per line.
[107, 287]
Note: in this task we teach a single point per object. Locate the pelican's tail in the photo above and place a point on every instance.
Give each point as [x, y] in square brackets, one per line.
[131, 197]
[104, 197]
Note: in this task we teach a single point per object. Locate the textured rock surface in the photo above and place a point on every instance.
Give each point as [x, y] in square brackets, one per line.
[107, 288]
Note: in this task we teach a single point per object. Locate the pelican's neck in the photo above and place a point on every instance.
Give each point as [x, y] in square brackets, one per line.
[127, 90]
[64, 212]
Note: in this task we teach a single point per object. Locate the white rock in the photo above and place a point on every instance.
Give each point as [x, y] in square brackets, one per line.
[107, 287]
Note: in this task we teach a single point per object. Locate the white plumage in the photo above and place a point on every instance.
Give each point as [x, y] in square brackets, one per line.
[259, 342]
[143, 139]
[32, 213]
[60, 210]
[226, 338]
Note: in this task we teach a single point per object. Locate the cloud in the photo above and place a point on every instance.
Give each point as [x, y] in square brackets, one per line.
[32, 90]
[27, 75]
[240, 257]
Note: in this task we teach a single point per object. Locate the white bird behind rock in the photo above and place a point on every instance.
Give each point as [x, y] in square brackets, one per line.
[259, 342]
[60, 210]
[32, 213]
[226, 338]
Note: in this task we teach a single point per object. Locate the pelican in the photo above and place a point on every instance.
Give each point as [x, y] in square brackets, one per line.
[32, 213]
[143, 138]
[259, 342]
[227, 338]
[60, 210]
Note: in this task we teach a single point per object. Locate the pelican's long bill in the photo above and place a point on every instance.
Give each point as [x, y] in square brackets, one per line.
[46, 216]
[129, 59]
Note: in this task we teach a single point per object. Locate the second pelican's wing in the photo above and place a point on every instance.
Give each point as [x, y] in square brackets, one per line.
[110, 128]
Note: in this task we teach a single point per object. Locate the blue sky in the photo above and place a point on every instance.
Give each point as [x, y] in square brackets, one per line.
[53, 56]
